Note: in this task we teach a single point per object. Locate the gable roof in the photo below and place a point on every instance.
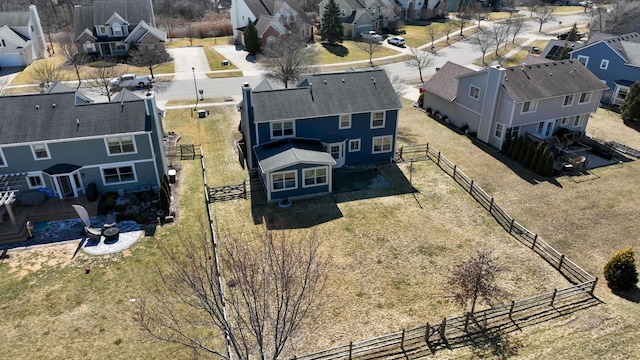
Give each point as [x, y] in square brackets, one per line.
[12, 37]
[31, 118]
[271, 7]
[282, 153]
[533, 59]
[327, 94]
[627, 46]
[551, 79]
[133, 11]
[14, 18]
[444, 82]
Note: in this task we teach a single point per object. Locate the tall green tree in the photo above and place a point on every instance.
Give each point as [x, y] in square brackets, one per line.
[630, 108]
[251, 39]
[332, 30]
[573, 33]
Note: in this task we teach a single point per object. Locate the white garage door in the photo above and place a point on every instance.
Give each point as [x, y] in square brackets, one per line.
[11, 60]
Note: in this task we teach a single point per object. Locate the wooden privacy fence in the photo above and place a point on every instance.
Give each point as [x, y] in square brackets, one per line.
[459, 329]
[183, 151]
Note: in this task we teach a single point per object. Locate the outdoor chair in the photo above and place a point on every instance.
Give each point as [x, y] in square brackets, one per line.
[93, 233]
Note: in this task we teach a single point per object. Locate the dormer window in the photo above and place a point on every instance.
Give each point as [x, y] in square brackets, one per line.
[117, 29]
[102, 30]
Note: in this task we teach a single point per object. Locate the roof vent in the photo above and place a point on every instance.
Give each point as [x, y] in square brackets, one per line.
[325, 82]
[37, 107]
[54, 105]
[246, 84]
[342, 80]
[523, 65]
[373, 79]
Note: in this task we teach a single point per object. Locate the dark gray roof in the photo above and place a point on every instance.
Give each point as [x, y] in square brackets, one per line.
[29, 118]
[533, 59]
[14, 18]
[555, 78]
[444, 82]
[282, 153]
[133, 11]
[126, 96]
[329, 94]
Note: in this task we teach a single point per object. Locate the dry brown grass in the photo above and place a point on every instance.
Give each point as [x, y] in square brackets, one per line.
[390, 253]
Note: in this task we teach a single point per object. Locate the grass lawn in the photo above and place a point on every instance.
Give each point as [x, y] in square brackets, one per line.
[418, 35]
[67, 73]
[348, 51]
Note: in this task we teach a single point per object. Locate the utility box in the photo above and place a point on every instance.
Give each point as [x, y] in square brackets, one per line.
[202, 114]
[172, 176]
[225, 62]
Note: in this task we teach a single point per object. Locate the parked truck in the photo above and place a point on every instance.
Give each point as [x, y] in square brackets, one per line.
[128, 81]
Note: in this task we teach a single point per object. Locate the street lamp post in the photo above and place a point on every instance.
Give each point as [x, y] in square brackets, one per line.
[193, 70]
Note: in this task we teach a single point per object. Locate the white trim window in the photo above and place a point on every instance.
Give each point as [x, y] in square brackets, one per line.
[3, 161]
[578, 120]
[620, 94]
[89, 46]
[604, 64]
[117, 29]
[584, 60]
[345, 121]
[381, 144]
[315, 177]
[35, 181]
[499, 129]
[285, 180]
[118, 174]
[377, 119]
[118, 145]
[474, 92]
[568, 100]
[564, 121]
[40, 151]
[282, 129]
[102, 30]
[514, 132]
[529, 106]
[354, 145]
[335, 151]
[585, 97]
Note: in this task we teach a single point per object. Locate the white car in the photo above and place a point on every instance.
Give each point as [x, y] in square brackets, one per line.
[396, 40]
[371, 35]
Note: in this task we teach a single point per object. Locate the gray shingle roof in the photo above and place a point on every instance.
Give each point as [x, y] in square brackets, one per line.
[29, 118]
[281, 153]
[329, 94]
[444, 82]
[14, 18]
[134, 11]
[556, 78]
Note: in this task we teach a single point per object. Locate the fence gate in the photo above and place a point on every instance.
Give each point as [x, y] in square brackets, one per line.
[189, 152]
[228, 192]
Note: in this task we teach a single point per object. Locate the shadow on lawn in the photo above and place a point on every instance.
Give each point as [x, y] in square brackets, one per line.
[337, 49]
[632, 295]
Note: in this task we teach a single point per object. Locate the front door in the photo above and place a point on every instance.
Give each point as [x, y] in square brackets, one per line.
[64, 184]
[105, 49]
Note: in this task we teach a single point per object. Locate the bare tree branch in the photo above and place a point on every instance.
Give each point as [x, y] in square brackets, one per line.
[369, 46]
[100, 76]
[420, 61]
[72, 54]
[269, 287]
[475, 278]
[45, 72]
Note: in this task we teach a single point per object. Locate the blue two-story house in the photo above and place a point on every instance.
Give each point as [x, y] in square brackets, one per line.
[62, 141]
[613, 59]
[294, 137]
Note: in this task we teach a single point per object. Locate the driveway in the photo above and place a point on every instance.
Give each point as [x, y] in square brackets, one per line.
[239, 59]
[187, 58]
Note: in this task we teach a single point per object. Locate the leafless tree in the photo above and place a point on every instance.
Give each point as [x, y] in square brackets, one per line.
[484, 39]
[72, 55]
[45, 72]
[433, 34]
[620, 19]
[478, 12]
[449, 25]
[500, 34]
[268, 286]
[476, 279]
[101, 75]
[150, 56]
[369, 46]
[543, 15]
[289, 58]
[516, 27]
[420, 60]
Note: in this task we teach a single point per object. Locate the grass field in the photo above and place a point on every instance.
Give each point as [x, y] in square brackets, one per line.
[390, 251]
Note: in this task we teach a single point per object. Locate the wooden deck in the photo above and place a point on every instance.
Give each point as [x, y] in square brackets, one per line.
[51, 210]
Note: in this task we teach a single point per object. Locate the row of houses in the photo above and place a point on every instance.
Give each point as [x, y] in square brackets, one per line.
[106, 28]
[271, 17]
